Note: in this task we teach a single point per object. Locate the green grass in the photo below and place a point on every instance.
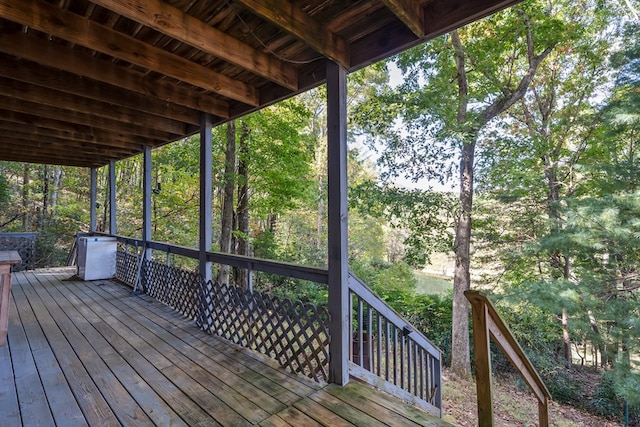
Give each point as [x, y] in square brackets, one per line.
[429, 284]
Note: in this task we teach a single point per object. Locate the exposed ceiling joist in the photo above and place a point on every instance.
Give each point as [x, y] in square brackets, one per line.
[52, 20]
[70, 60]
[41, 142]
[410, 12]
[443, 16]
[172, 21]
[288, 16]
[43, 77]
[90, 120]
[22, 124]
[43, 96]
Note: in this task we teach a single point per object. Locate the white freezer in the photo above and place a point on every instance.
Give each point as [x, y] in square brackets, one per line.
[97, 257]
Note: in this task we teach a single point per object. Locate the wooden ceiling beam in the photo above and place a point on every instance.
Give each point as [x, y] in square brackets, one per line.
[82, 120]
[64, 101]
[76, 29]
[291, 18]
[86, 119]
[443, 16]
[28, 149]
[36, 140]
[15, 122]
[16, 144]
[32, 73]
[73, 61]
[172, 21]
[49, 160]
[411, 13]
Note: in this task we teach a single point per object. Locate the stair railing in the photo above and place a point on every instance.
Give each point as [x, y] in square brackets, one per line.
[488, 323]
[388, 353]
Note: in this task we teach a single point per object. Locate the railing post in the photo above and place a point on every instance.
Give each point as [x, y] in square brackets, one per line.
[543, 412]
[113, 230]
[338, 268]
[93, 200]
[205, 195]
[483, 364]
[146, 202]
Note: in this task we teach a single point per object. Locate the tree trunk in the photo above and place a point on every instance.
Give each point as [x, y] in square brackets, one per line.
[226, 220]
[460, 354]
[26, 215]
[460, 357]
[57, 179]
[46, 197]
[242, 277]
[560, 264]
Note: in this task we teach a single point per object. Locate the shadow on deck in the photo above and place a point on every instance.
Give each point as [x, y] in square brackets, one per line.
[89, 353]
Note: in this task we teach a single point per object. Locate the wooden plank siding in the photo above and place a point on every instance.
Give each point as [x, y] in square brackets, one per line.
[88, 353]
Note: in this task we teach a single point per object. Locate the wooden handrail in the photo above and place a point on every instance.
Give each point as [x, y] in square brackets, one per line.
[313, 274]
[488, 323]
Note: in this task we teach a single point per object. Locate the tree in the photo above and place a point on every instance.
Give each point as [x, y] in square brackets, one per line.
[533, 157]
[454, 87]
[226, 216]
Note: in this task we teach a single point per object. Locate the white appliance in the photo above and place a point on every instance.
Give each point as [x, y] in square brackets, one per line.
[97, 257]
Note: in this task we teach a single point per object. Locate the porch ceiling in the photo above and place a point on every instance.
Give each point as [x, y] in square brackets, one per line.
[85, 82]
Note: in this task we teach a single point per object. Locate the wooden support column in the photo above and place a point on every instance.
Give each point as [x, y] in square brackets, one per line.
[338, 274]
[146, 201]
[93, 200]
[205, 194]
[113, 230]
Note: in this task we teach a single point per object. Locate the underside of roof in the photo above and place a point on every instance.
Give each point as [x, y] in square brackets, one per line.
[86, 82]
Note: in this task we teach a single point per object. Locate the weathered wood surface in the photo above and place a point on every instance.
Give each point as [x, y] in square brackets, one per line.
[7, 260]
[89, 353]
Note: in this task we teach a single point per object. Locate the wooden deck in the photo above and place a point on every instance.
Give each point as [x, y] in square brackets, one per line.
[88, 353]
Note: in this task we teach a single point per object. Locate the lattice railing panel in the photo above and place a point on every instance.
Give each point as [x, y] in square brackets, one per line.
[24, 244]
[173, 286]
[293, 333]
[126, 267]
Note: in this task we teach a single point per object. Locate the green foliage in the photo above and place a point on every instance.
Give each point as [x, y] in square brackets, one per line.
[392, 282]
[4, 191]
[432, 315]
[427, 216]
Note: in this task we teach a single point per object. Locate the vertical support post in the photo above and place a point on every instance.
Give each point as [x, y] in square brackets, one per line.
[205, 194]
[338, 271]
[483, 364]
[112, 198]
[543, 413]
[93, 199]
[146, 201]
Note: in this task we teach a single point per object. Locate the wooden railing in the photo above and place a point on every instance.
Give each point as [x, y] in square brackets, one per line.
[389, 353]
[488, 323]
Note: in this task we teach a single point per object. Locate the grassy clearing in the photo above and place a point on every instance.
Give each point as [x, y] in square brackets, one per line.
[429, 284]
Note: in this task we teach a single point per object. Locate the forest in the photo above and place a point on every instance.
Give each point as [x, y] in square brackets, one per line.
[510, 147]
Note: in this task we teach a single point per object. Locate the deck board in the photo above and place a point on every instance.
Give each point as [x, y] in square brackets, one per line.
[89, 353]
[54, 383]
